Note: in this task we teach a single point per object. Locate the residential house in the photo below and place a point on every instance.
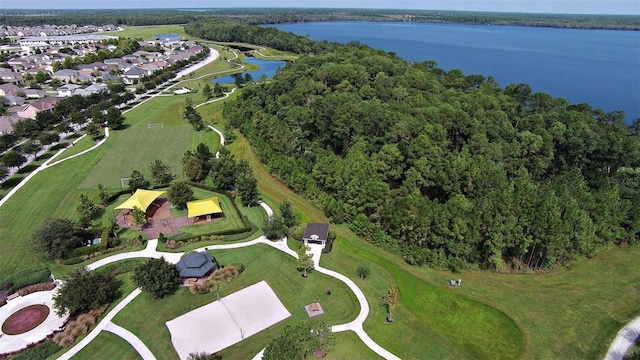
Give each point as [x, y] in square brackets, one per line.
[12, 100]
[9, 89]
[7, 123]
[67, 75]
[11, 77]
[93, 89]
[34, 93]
[67, 90]
[133, 75]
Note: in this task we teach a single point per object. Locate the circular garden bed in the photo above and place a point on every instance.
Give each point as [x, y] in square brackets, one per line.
[25, 319]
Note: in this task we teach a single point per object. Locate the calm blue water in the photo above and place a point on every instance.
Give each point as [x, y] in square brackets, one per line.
[599, 67]
[267, 67]
[168, 36]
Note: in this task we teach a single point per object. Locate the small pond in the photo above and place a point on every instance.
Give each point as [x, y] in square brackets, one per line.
[267, 67]
[172, 37]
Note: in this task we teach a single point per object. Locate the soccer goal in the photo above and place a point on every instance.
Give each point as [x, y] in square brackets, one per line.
[155, 125]
[125, 182]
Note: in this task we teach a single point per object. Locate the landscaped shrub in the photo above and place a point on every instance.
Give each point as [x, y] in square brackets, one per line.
[161, 238]
[239, 267]
[74, 260]
[36, 287]
[39, 352]
[172, 244]
[78, 327]
[29, 276]
[199, 289]
[362, 271]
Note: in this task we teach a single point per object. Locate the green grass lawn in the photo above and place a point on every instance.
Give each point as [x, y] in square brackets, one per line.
[168, 110]
[134, 149]
[51, 193]
[146, 318]
[82, 145]
[572, 312]
[148, 32]
[108, 346]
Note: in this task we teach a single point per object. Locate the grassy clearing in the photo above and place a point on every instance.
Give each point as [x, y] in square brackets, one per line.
[437, 321]
[572, 312]
[134, 149]
[168, 110]
[51, 193]
[108, 346]
[148, 32]
[146, 318]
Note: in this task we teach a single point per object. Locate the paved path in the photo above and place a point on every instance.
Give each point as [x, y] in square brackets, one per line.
[128, 336]
[151, 252]
[624, 340]
[101, 325]
[355, 325]
[49, 163]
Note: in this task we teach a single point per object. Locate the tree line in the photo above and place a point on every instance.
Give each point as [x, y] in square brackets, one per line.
[257, 16]
[446, 169]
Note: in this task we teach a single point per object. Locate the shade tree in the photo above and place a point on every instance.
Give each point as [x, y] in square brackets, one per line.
[298, 340]
[137, 181]
[179, 194]
[157, 277]
[160, 172]
[56, 237]
[304, 261]
[84, 290]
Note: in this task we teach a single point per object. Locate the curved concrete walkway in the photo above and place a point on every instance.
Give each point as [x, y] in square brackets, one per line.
[151, 252]
[625, 339]
[49, 163]
[101, 325]
[133, 340]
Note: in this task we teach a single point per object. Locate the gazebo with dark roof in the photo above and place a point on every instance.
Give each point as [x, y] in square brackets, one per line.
[196, 265]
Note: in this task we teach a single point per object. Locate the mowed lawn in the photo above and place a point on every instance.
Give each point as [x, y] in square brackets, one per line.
[146, 318]
[166, 109]
[108, 346]
[135, 149]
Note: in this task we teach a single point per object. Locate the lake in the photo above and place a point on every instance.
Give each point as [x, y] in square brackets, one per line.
[599, 67]
[267, 67]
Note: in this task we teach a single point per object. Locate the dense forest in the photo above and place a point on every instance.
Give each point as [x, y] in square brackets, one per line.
[446, 169]
[255, 16]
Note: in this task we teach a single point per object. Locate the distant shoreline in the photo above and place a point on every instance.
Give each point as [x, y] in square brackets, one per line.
[265, 16]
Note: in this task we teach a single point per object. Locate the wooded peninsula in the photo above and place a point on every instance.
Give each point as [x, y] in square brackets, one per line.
[446, 169]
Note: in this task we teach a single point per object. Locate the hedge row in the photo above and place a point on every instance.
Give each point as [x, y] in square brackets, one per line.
[88, 250]
[25, 277]
[39, 352]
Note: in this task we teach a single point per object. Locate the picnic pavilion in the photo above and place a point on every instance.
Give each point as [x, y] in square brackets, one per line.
[141, 199]
[208, 207]
[195, 266]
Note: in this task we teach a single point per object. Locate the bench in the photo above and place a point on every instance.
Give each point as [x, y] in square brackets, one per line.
[13, 296]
